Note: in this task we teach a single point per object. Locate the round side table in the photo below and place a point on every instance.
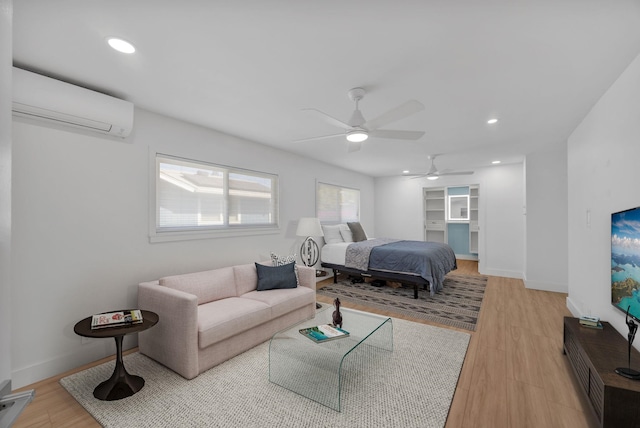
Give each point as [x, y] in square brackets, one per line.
[121, 384]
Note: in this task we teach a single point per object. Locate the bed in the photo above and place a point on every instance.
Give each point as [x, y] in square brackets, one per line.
[417, 263]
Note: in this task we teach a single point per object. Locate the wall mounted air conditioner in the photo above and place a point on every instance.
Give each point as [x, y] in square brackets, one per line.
[43, 98]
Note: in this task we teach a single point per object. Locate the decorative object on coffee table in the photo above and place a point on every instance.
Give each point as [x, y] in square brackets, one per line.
[121, 384]
[337, 316]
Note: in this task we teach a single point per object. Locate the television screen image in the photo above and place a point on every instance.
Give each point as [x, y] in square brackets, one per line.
[625, 261]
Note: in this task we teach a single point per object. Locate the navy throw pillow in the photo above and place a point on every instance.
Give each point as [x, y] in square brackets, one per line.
[274, 277]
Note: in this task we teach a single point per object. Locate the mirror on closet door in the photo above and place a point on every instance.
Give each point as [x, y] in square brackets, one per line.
[458, 207]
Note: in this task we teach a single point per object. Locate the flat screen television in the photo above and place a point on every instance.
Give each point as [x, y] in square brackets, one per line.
[625, 261]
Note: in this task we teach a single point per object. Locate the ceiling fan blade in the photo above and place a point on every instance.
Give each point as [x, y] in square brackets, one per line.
[395, 134]
[322, 137]
[456, 173]
[400, 112]
[327, 118]
[353, 147]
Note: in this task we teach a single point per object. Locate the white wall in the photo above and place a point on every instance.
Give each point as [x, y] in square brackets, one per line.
[5, 188]
[399, 205]
[80, 231]
[603, 177]
[546, 219]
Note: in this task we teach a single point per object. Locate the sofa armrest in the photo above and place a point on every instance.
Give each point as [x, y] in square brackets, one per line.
[174, 340]
[307, 276]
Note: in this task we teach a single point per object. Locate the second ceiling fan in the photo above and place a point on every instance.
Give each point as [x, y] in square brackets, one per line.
[434, 173]
[357, 129]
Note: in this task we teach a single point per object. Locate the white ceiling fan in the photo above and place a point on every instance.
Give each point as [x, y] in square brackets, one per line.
[358, 129]
[434, 174]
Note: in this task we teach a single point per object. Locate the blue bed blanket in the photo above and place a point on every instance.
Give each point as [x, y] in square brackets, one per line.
[431, 260]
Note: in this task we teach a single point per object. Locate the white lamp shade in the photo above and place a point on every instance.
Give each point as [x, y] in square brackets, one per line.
[309, 226]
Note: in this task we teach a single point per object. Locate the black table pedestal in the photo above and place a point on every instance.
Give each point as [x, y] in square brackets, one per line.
[121, 384]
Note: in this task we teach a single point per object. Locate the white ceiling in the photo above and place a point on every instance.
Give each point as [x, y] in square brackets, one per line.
[249, 67]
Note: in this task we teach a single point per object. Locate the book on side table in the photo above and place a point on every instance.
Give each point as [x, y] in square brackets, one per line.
[116, 319]
[323, 333]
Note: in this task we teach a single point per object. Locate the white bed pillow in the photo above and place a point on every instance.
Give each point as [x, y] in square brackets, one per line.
[332, 234]
[346, 234]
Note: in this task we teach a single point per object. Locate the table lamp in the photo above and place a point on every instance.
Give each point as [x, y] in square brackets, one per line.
[309, 251]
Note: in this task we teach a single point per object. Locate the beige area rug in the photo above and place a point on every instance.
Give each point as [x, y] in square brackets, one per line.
[411, 387]
[456, 305]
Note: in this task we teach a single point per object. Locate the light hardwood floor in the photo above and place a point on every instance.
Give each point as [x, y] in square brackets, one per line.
[514, 374]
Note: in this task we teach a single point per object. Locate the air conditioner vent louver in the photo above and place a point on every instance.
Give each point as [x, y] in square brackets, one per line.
[53, 101]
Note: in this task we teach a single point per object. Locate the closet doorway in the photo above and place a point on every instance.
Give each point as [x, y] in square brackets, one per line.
[451, 216]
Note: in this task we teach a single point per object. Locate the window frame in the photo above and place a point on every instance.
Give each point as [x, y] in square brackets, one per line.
[167, 234]
[340, 187]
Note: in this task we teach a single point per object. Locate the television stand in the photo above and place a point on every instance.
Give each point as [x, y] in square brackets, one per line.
[594, 355]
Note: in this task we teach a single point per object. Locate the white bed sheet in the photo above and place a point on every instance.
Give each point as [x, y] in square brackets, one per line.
[334, 253]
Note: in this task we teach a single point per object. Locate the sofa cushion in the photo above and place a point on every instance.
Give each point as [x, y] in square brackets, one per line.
[283, 301]
[224, 318]
[246, 278]
[207, 286]
[274, 277]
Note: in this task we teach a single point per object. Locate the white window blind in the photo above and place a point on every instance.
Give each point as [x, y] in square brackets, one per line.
[193, 195]
[336, 204]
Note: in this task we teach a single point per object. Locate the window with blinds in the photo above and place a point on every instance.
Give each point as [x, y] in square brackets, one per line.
[336, 204]
[200, 196]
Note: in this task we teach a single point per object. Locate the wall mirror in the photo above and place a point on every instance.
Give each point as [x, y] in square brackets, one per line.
[458, 207]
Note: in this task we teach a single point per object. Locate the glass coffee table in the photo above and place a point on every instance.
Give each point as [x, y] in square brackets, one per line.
[318, 370]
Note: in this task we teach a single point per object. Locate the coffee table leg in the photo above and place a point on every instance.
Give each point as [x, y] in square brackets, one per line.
[121, 384]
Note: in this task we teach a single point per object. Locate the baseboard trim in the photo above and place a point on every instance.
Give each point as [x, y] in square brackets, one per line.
[502, 273]
[546, 286]
[573, 308]
[102, 348]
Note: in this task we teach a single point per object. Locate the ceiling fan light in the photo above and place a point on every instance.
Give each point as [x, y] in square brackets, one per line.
[357, 136]
[432, 177]
[121, 45]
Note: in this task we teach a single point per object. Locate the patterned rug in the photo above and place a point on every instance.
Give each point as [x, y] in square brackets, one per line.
[457, 305]
[410, 387]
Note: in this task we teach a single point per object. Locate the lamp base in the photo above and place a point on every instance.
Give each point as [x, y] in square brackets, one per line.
[309, 252]
[628, 373]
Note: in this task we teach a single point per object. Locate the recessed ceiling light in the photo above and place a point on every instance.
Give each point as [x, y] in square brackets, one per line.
[496, 162]
[121, 45]
[492, 121]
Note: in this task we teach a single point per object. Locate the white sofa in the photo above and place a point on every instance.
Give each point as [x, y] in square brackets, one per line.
[208, 317]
